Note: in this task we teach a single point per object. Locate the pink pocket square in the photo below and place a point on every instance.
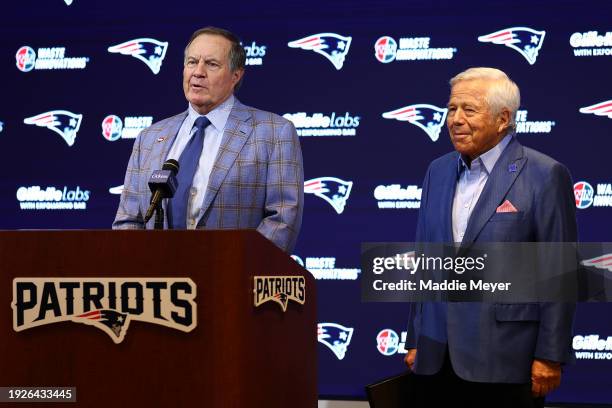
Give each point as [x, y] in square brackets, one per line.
[506, 207]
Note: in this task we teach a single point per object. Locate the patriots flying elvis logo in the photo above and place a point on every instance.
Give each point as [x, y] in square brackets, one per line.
[599, 109]
[335, 336]
[332, 46]
[430, 118]
[64, 123]
[110, 321]
[148, 50]
[526, 41]
[333, 190]
[601, 262]
[109, 304]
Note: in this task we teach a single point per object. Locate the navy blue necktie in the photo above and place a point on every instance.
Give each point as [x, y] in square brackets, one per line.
[188, 163]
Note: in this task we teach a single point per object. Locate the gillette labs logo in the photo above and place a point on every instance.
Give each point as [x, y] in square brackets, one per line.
[591, 44]
[254, 54]
[319, 124]
[395, 197]
[51, 198]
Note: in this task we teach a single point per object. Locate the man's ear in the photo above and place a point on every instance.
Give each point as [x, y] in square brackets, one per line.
[237, 75]
[503, 120]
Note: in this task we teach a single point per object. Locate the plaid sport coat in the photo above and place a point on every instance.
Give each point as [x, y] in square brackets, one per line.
[257, 180]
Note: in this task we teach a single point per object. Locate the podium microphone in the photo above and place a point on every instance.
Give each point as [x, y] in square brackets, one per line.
[163, 185]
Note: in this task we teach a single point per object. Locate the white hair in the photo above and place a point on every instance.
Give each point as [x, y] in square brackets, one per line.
[503, 92]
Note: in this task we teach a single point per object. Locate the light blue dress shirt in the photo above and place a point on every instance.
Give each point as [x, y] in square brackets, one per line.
[212, 140]
[470, 184]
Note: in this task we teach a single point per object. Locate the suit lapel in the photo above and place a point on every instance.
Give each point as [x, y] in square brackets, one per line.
[506, 170]
[237, 131]
[448, 186]
[164, 141]
[160, 147]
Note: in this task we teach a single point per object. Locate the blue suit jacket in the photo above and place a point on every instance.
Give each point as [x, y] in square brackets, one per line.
[491, 342]
[256, 182]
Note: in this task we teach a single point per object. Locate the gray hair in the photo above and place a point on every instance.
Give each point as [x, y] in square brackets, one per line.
[237, 54]
[503, 92]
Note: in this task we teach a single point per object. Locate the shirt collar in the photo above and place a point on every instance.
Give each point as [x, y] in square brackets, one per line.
[218, 116]
[488, 158]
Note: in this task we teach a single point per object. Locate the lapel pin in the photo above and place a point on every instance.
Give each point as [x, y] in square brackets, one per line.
[161, 139]
[512, 168]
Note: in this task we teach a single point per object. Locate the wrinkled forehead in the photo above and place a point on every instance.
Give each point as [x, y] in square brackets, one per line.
[209, 46]
[475, 90]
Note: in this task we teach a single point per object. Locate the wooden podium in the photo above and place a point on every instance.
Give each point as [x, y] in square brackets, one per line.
[238, 355]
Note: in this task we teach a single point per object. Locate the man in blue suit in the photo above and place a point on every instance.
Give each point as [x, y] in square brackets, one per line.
[491, 189]
[247, 169]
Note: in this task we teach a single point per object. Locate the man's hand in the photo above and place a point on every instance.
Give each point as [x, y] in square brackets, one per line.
[409, 359]
[545, 376]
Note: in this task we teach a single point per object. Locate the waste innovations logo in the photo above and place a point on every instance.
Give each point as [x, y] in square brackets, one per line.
[336, 337]
[320, 124]
[332, 46]
[254, 53]
[592, 347]
[527, 126]
[113, 128]
[148, 50]
[51, 198]
[394, 196]
[331, 189]
[591, 44]
[586, 195]
[63, 122]
[324, 268]
[583, 194]
[599, 109]
[526, 41]
[51, 58]
[410, 49]
[279, 289]
[116, 302]
[428, 117]
[388, 342]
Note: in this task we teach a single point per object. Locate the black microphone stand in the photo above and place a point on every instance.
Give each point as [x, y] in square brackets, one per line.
[159, 217]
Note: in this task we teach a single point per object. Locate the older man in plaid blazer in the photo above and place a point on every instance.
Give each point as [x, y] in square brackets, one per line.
[250, 171]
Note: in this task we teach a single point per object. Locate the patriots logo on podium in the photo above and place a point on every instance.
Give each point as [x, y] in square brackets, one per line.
[332, 46]
[601, 262]
[430, 118]
[64, 123]
[148, 50]
[333, 190]
[335, 336]
[111, 322]
[526, 41]
[599, 109]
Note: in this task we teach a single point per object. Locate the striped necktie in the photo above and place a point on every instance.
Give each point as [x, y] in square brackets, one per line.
[188, 164]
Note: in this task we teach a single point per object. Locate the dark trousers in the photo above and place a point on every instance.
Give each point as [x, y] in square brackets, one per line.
[447, 389]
